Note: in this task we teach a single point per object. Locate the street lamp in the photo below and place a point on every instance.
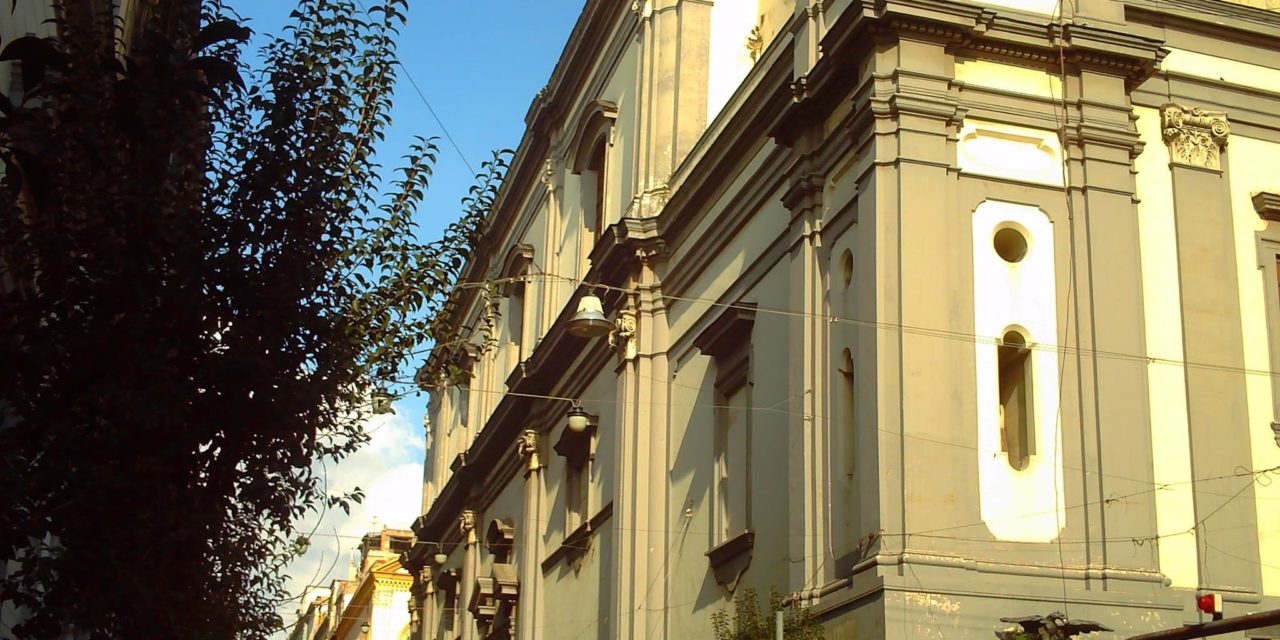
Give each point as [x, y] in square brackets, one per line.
[589, 321]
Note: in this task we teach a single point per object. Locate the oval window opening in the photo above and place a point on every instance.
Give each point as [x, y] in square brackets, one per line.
[1010, 244]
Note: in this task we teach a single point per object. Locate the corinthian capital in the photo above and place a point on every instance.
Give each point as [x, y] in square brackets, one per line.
[1195, 137]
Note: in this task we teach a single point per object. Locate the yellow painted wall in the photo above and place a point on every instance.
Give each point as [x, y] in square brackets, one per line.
[1223, 69]
[1252, 167]
[1166, 391]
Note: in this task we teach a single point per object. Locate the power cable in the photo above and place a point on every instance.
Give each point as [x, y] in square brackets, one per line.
[890, 326]
[448, 136]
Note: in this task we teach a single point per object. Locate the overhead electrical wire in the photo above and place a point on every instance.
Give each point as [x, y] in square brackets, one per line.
[893, 326]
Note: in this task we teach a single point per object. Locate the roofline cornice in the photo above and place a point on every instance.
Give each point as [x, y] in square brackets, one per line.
[600, 22]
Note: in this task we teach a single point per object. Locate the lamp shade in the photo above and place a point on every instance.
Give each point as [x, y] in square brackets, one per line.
[441, 558]
[578, 419]
[589, 321]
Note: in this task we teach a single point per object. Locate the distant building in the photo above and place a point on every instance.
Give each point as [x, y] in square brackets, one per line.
[313, 609]
[372, 604]
[923, 312]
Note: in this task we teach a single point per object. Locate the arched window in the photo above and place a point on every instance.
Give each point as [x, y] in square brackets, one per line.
[1017, 411]
[589, 159]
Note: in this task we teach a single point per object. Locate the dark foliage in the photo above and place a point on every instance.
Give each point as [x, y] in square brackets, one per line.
[203, 277]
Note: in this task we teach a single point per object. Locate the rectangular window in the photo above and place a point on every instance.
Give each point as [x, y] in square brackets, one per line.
[1269, 260]
[732, 475]
[727, 341]
[515, 325]
[578, 450]
[464, 404]
[577, 477]
[598, 168]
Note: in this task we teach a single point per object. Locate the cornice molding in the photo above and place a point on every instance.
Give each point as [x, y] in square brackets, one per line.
[961, 26]
[1267, 204]
[1214, 14]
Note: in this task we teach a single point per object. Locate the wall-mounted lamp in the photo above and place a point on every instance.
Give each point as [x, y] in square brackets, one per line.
[578, 418]
[589, 321]
[364, 628]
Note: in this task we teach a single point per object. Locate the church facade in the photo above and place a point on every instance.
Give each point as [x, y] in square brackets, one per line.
[922, 313]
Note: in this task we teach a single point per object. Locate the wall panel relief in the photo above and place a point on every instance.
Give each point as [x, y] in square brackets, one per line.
[1006, 151]
[1019, 443]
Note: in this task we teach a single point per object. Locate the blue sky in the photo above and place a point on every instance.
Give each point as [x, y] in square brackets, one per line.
[478, 64]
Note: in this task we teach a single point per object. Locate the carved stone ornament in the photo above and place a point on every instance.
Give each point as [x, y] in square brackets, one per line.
[755, 41]
[467, 525]
[549, 174]
[527, 447]
[1195, 137]
[1275, 427]
[623, 336]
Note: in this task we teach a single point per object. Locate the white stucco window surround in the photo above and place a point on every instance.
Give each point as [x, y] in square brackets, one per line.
[1011, 152]
[1016, 360]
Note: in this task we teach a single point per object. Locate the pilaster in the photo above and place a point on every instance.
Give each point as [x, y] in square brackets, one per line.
[1104, 412]
[917, 225]
[529, 611]
[807, 434]
[1213, 346]
[641, 501]
[470, 568]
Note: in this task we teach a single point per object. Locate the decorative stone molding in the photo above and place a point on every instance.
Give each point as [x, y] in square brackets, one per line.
[804, 194]
[1195, 136]
[494, 596]
[1011, 152]
[527, 447]
[623, 336]
[650, 202]
[1267, 205]
[652, 252]
[728, 340]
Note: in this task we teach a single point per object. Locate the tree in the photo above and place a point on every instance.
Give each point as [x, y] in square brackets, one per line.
[747, 623]
[204, 277]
